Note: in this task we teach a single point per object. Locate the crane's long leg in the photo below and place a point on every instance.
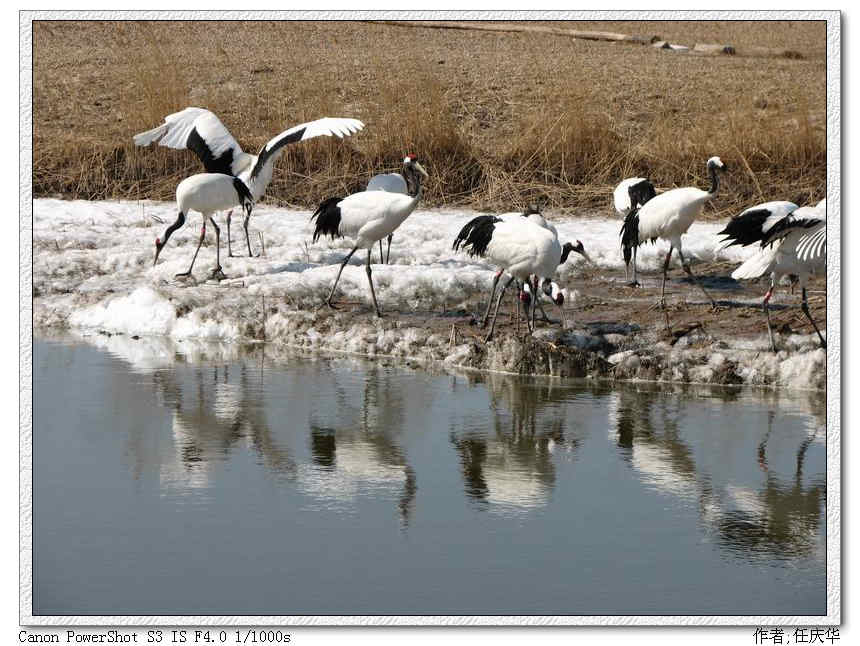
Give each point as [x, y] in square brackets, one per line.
[560, 312]
[695, 279]
[217, 273]
[381, 257]
[202, 235]
[519, 292]
[766, 305]
[388, 250]
[635, 282]
[496, 313]
[247, 238]
[805, 307]
[539, 304]
[492, 293]
[340, 271]
[665, 270]
[534, 285]
[229, 243]
[370, 280]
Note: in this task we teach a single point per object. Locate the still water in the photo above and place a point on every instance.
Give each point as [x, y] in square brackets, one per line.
[201, 483]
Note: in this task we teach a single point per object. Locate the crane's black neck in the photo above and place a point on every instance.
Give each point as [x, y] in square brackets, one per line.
[640, 193]
[565, 252]
[413, 181]
[715, 178]
[242, 190]
[180, 220]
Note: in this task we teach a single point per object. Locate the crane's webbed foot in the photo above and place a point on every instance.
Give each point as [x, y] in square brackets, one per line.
[217, 274]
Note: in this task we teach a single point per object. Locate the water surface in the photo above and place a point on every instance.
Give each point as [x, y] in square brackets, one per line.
[193, 480]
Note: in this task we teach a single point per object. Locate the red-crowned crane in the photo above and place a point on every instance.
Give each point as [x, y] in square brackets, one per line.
[391, 183]
[793, 241]
[207, 193]
[670, 214]
[531, 214]
[368, 217]
[200, 131]
[629, 196]
[519, 247]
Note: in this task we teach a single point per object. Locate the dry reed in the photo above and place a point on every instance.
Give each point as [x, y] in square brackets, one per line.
[566, 147]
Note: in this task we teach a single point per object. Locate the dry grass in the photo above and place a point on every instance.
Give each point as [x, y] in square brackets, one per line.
[499, 119]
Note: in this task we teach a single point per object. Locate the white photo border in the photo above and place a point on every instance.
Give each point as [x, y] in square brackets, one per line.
[834, 320]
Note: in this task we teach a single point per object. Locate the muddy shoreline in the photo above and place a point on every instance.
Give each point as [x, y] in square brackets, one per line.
[93, 272]
[613, 332]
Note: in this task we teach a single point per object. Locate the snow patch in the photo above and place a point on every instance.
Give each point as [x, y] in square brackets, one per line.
[93, 271]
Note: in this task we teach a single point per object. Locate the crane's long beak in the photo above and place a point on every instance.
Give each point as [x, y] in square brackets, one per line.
[421, 169]
[158, 248]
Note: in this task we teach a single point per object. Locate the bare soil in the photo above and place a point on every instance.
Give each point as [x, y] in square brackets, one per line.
[611, 301]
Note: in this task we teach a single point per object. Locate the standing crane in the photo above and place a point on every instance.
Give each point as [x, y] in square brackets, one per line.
[392, 183]
[368, 217]
[520, 247]
[670, 214]
[628, 197]
[206, 193]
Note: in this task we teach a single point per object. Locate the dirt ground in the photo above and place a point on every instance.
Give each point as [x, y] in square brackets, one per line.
[610, 301]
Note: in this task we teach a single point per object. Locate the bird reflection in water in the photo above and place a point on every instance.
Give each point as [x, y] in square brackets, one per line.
[513, 469]
[219, 411]
[355, 449]
[780, 517]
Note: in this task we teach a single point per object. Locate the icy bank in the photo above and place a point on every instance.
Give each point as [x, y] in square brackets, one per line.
[93, 271]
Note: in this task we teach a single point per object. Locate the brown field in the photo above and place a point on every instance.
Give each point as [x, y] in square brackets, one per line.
[498, 119]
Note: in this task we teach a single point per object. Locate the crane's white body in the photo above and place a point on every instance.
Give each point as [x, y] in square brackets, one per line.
[670, 214]
[206, 193]
[370, 216]
[621, 195]
[523, 248]
[534, 218]
[388, 182]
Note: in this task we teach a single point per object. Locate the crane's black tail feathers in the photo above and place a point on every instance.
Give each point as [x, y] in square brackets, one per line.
[328, 218]
[476, 235]
[630, 234]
